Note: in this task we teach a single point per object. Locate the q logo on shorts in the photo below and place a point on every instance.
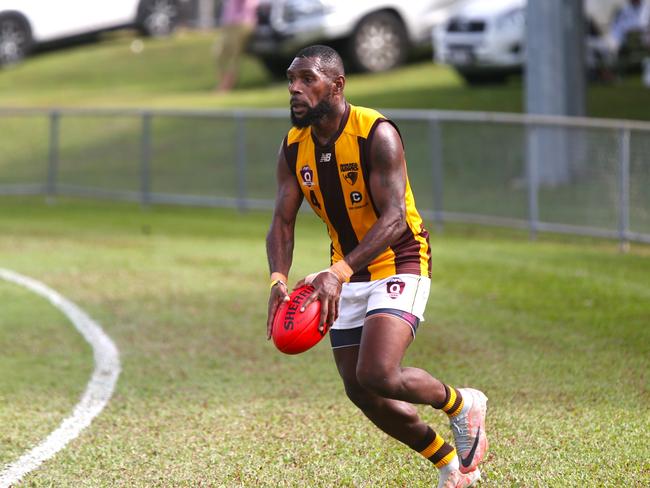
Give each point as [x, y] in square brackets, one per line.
[395, 287]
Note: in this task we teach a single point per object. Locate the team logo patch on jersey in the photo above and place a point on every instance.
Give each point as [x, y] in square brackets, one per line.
[351, 177]
[325, 157]
[307, 176]
[350, 172]
[349, 167]
[395, 287]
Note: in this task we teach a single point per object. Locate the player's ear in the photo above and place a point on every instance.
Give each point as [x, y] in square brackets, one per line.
[339, 84]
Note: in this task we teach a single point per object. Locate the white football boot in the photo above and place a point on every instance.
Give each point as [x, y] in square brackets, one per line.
[468, 428]
[453, 478]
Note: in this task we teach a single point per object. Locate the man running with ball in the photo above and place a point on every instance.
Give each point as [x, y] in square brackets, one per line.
[348, 163]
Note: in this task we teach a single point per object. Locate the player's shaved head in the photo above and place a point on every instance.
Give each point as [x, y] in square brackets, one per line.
[329, 62]
[316, 83]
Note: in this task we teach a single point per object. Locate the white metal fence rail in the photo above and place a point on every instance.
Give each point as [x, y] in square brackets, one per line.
[544, 173]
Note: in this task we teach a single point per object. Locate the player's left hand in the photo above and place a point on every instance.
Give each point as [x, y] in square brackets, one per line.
[327, 289]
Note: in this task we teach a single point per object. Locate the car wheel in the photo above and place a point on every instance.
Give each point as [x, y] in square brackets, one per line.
[15, 39]
[157, 18]
[379, 43]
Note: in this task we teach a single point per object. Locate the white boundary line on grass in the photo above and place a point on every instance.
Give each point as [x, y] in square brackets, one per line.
[98, 391]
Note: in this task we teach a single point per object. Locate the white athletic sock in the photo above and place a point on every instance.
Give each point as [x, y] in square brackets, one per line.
[468, 400]
[449, 467]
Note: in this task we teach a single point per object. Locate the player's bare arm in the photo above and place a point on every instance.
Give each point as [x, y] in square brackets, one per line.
[388, 185]
[280, 238]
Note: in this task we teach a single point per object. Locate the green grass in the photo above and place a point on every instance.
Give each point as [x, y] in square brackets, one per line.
[41, 358]
[179, 72]
[559, 341]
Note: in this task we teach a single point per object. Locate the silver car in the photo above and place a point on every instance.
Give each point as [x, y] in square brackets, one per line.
[484, 41]
[370, 35]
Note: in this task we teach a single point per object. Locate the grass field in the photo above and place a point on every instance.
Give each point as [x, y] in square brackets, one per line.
[555, 331]
[179, 72]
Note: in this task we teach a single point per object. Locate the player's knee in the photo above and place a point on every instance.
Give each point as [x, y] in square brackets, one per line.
[378, 380]
[360, 397]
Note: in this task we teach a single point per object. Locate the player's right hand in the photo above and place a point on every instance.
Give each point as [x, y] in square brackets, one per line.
[278, 295]
[327, 289]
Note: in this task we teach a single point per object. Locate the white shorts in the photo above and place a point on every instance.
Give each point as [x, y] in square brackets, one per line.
[405, 292]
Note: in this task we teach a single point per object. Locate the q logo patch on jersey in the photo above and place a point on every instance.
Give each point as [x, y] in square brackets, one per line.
[307, 176]
[395, 287]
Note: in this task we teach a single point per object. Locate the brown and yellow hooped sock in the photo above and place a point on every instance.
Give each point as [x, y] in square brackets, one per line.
[453, 403]
[435, 449]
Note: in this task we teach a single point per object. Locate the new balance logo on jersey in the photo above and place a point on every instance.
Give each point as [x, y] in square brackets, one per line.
[325, 157]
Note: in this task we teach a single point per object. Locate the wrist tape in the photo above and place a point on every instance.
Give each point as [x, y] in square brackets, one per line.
[341, 270]
[278, 278]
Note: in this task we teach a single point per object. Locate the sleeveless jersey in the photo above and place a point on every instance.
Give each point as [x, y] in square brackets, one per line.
[334, 180]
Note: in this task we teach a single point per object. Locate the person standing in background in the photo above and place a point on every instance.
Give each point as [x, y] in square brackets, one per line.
[238, 19]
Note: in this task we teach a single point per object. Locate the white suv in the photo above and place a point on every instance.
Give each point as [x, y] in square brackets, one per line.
[25, 23]
[484, 41]
[372, 35]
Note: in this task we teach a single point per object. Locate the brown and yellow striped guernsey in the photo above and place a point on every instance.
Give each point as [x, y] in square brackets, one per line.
[334, 180]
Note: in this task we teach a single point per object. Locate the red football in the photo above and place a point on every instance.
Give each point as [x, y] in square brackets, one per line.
[295, 331]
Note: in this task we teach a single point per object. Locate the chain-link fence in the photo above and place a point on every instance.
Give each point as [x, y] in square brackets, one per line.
[580, 176]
